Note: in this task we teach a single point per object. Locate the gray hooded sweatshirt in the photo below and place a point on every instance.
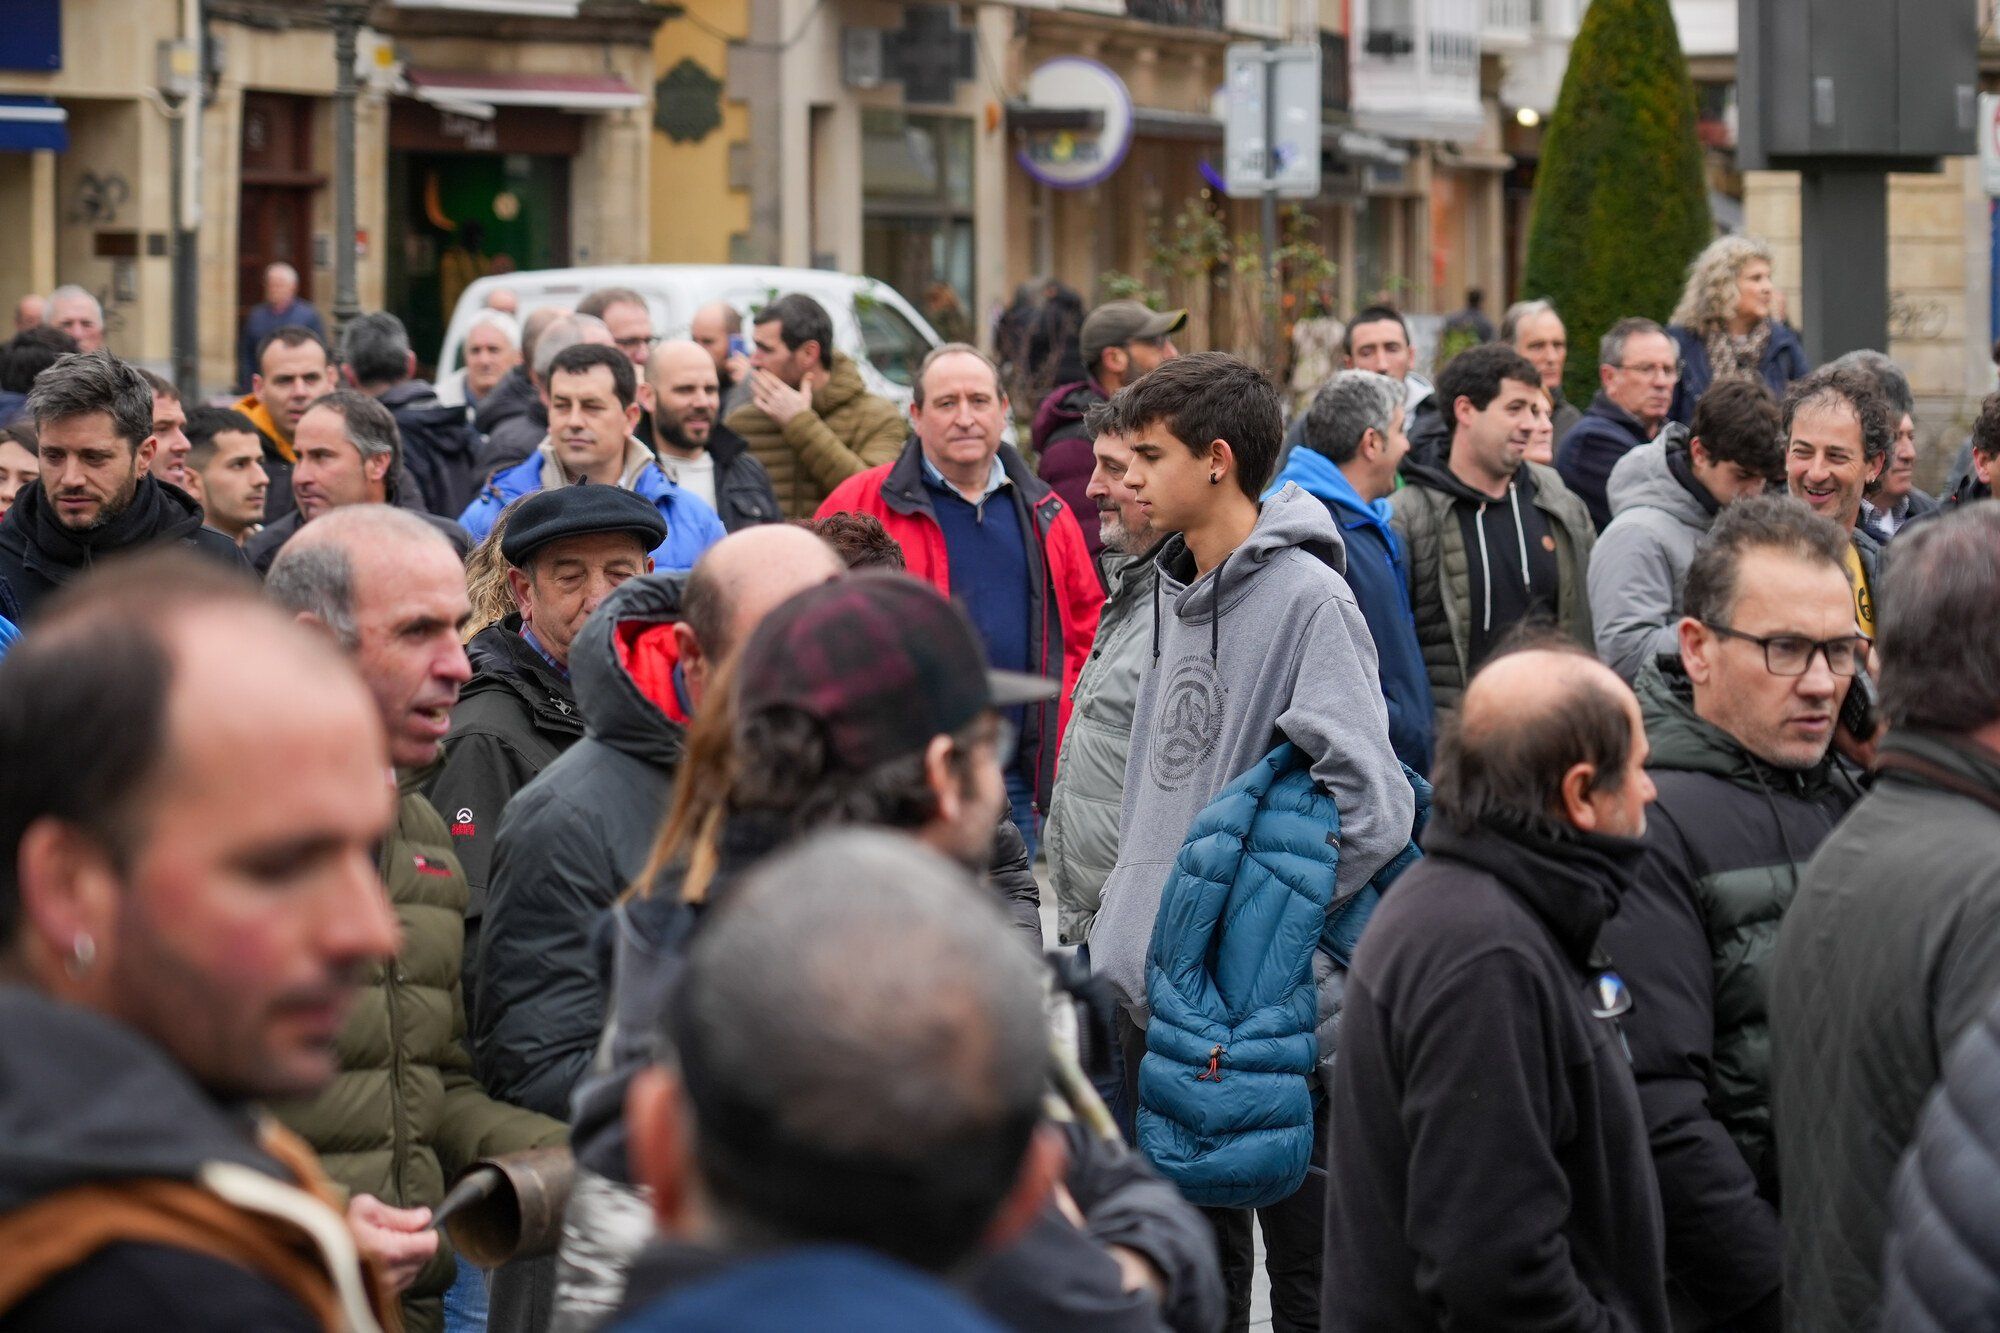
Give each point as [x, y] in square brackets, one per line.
[1270, 645]
[1641, 559]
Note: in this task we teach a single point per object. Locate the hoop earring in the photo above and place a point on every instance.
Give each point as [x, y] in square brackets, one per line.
[82, 953]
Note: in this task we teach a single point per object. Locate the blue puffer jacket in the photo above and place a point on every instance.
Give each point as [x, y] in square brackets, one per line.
[692, 527]
[1248, 956]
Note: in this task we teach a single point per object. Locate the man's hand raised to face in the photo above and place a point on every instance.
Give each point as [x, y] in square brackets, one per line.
[777, 399]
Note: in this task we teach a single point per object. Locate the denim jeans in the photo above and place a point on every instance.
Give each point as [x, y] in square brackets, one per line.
[1021, 810]
[465, 1303]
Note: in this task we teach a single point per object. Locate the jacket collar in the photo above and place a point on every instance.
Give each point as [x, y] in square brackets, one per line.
[903, 489]
[1684, 741]
[1602, 406]
[630, 472]
[1947, 762]
[725, 446]
[1571, 880]
[1319, 477]
[158, 512]
[502, 659]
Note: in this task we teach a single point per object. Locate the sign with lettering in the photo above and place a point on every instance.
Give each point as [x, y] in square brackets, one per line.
[1078, 123]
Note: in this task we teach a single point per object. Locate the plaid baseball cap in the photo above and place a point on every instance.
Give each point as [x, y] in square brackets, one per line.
[882, 661]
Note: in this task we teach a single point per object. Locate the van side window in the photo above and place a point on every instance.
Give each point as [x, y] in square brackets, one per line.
[893, 344]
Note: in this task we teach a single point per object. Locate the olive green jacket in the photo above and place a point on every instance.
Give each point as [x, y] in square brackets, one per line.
[405, 1116]
[848, 430]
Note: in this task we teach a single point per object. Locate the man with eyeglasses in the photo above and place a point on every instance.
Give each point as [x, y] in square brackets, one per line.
[1741, 721]
[1487, 1165]
[1638, 365]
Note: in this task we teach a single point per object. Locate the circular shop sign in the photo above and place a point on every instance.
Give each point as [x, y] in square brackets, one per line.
[1074, 159]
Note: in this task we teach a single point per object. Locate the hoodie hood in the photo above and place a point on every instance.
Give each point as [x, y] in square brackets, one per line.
[1064, 404]
[1570, 879]
[1684, 741]
[1291, 518]
[84, 1099]
[159, 512]
[623, 667]
[1317, 476]
[843, 385]
[1645, 479]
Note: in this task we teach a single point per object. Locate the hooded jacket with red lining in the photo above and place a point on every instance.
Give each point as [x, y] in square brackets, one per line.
[570, 842]
[1064, 592]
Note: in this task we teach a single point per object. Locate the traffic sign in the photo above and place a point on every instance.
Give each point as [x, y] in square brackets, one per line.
[1272, 98]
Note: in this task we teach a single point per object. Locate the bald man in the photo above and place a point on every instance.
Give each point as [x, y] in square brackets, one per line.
[281, 308]
[718, 327]
[1489, 1165]
[29, 312]
[581, 832]
[693, 446]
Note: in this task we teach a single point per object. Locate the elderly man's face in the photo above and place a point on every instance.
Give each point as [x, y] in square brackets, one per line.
[409, 606]
[568, 579]
[81, 320]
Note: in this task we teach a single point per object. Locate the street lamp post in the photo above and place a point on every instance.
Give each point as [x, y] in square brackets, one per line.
[346, 16]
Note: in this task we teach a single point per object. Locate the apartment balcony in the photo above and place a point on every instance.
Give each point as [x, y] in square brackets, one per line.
[1416, 68]
[1507, 25]
[1708, 27]
[1178, 13]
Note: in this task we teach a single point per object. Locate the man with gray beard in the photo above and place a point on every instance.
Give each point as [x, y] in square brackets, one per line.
[1081, 838]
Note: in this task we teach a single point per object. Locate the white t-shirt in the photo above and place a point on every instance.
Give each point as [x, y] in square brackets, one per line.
[696, 474]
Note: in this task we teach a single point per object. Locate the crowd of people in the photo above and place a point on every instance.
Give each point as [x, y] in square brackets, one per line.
[1521, 860]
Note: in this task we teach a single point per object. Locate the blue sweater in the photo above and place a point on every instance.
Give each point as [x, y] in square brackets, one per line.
[1378, 572]
[692, 527]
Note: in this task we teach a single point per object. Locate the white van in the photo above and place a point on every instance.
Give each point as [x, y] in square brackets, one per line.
[871, 321]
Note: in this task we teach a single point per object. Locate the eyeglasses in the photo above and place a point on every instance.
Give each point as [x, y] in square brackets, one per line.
[644, 344]
[1792, 654]
[1654, 370]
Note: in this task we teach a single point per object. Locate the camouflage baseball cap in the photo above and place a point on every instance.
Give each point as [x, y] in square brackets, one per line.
[883, 662]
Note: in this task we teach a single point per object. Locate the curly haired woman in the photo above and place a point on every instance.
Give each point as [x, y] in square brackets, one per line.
[1725, 327]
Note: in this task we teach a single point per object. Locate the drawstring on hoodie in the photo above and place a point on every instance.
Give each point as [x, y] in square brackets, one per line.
[1486, 557]
[1778, 818]
[1214, 615]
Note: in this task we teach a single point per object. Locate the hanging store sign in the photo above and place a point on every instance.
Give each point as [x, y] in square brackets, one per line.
[1076, 125]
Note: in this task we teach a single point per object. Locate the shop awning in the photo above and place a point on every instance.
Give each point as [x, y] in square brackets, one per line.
[28, 123]
[470, 93]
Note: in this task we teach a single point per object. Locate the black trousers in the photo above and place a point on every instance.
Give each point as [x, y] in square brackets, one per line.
[1294, 1246]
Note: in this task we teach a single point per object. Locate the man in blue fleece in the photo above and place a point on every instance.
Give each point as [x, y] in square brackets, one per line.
[1346, 459]
[1258, 639]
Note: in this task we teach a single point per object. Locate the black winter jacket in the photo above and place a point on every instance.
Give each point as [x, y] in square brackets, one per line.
[513, 718]
[743, 493]
[39, 555]
[1604, 434]
[1941, 1262]
[1726, 841]
[439, 447]
[263, 546]
[571, 842]
[511, 420]
[1487, 1166]
[1889, 953]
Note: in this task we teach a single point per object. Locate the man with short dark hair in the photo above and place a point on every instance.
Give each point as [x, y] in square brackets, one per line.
[801, 1186]
[1664, 496]
[439, 446]
[629, 319]
[593, 409]
[190, 794]
[1638, 366]
[516, 436]
[1838, 433]
[1488, 1166]
[1740, 721]
[695, 449]
[96, 497]
[977, 524]
[294, 370]
[170, 441]
[567, 550]
[1494, 540]
[861, 539]
[1353, 446]
[1259, 640]
[1377, 339]
[226, 473]
[810, 421]
[1891, 950]
[26, 355]
[579, 834]
[282, 307]
[405, 1117]
[349, 452]
[1892, 499]
[1120, 341]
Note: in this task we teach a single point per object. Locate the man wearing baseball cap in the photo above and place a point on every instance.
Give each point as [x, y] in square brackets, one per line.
[566, 550]
[1121, 341]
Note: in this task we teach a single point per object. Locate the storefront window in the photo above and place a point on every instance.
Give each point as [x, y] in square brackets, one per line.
[916, 201]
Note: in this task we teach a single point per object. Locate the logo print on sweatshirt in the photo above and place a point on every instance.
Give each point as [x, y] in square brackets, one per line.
[462, 825]
[1190, 720]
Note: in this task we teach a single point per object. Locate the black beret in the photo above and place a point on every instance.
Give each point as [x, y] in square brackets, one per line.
[571, 511]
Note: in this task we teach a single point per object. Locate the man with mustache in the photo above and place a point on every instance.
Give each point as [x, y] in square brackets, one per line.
[405, 1115]
[694, 448]
[96, 496]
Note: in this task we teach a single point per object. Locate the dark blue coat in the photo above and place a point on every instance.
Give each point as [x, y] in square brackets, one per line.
[1378, 572]
[1784, 360]
[1604, 434]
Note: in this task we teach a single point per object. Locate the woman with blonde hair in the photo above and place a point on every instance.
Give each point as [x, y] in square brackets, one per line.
[1726, 326]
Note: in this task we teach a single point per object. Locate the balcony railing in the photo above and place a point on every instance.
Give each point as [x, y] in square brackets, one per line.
[1178, 13]
[1507, 24]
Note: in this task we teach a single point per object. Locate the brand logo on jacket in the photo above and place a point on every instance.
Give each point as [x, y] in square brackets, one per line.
[462, 825]
[1190, 721]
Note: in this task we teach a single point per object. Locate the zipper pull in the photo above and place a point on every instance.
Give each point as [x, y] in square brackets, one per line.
[1214, 1073]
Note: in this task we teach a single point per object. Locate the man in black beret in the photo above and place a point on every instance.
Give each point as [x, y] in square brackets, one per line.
[566, 550]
